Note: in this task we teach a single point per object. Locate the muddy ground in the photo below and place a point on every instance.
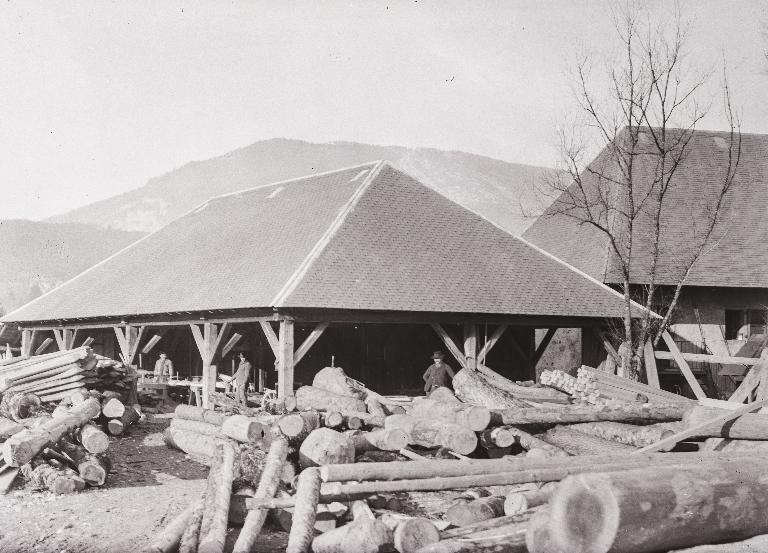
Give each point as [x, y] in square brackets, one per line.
[149, 484]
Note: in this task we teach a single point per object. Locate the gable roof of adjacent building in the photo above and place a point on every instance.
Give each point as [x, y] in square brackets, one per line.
[734, 256]
[368, 237]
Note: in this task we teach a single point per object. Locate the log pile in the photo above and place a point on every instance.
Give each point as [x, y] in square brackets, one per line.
[522, 472]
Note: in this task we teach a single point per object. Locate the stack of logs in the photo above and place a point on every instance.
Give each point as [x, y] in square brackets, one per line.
[330, 464]
[65, 450]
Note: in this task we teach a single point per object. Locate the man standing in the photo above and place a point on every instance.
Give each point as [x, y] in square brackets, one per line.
[241, 379]
[437, 374]
[163, 367]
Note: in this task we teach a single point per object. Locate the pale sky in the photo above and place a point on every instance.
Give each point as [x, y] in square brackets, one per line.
[98, 97]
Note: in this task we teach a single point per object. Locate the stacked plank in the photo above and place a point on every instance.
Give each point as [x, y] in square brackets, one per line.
[52, 376]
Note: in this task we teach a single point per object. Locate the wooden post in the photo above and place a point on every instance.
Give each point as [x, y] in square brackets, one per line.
[27, 339]
[128, 339]
[488, 346]
[450, 344]
[208, 341]
[651, 373]
[43, 346]
[683, 364]
[470, 345]
[285, 359]
[313, 337]
[543, 346]
[65, 338]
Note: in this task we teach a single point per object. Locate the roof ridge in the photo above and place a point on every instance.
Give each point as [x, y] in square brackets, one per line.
[325, 239]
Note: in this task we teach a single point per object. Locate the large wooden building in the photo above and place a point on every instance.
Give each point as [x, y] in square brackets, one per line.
[363, 267]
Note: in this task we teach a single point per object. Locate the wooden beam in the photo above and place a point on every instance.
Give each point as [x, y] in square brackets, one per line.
[651, 372]
[285, 359]
[151, 343]
[706, 358]
[220, 331]
[70, 335]
[450, 344]
[488, 346]
[271, 337]
[199, 341]
[683, 364]
[607, 344]
[59, 335]
[27, 341]
[543, 345]
[470, 345]
[43, 346]
[232, 342]
[751, 380]
[134, 339]
[313, 337]
[87, 342]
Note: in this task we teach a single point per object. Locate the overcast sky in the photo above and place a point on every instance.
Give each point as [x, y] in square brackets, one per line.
[96, 98]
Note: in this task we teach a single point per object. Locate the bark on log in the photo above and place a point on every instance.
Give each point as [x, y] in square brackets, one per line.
[57, 480]
[628, 434]
[213, 541]
[190, 412]
[477, 510]
[532, 393]
[508, 538]
[309, 398]
[191, 536]
[568, 414]
[324, 446]
[472, 387]
[518, 502]
[90, 467]
[429, 433]
[268, 484]
[118, 426]
[444, 395]
[169, 538]
[473, 417]
[375, 408]
[482, 527]
[752, 426]
[242, 429]
[23, 446]
[306, 500]
[334, 380]
[645, 509]
[91, 438]
[297, 426]
[578, 443]
[535, 446]
[382, 439]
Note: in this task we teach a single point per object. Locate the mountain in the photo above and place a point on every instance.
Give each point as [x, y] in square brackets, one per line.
[37, 256]
[496, 189]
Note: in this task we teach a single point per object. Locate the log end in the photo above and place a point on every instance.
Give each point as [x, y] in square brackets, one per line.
[584, 514]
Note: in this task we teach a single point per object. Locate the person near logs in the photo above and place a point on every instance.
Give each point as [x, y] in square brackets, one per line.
[437, 374]
[241, 379]
[163, 368]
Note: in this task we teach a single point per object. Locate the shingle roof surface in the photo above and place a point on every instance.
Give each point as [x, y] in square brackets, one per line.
[369, 237]
[735, 256]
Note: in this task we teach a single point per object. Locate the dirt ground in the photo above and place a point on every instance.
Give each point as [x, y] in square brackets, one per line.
[148, 485]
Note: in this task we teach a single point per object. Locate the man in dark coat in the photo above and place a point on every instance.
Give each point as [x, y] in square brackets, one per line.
[437, 374]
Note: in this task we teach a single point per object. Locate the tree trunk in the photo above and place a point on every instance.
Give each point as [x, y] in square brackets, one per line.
[306, 500]
[324, 447]
[393, 439]
[190, 412]
[474, 418]
[375, 408]
[91, 438]
[471, 387]
[19, 405]
[297, 426]
[91, 468]
[196, 426]
[213, 541]
[502, 539]
[198, 445]
[644, 510]
[334, 380]
[628, 434]
[23, 446]
[268, 484]
[430, 433]
[364, 534]
[752, 426]
[444, 395]
[242, 429]
[309, 397]
[56, 480]
[568, 414]
[169, 538]
[118, 426]
[578, 443]
[535, 446]
[531, 393]
[191, 536]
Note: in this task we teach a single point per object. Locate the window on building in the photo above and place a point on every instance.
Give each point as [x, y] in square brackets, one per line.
[740, 324]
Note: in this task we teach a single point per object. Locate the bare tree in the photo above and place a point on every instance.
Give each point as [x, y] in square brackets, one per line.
[645, 114]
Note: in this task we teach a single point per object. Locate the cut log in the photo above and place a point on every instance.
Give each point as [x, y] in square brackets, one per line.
[567, 414]
[213, 541]
[472, 387]
[375, 408]
[752, 426]
[382, 439]
[364, 534]
[196, 426]
[297, 426]
[578, 443]
[118, 426]
[444, 395]
[19, 405]
[353, 422]
[190, 412]
[305, 510]
[334, 380]
[410, 533]
[629, 434]
[170, 537]
[242, 429]
[430, 433]
[23, 446]
[311, 398]
[481, 527]
[112, 408]
[91, 438]
[518, 502]
[91, 468]
[198, 445]
[473, 417]
[332, 419]
[470, 512]
[537, 538]
[508, 538]
[535, 446]
[644, 509]
[57, 480]
[190, 539]
[500, 436]
[532, 393]
[324, 446]
[268, 484]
